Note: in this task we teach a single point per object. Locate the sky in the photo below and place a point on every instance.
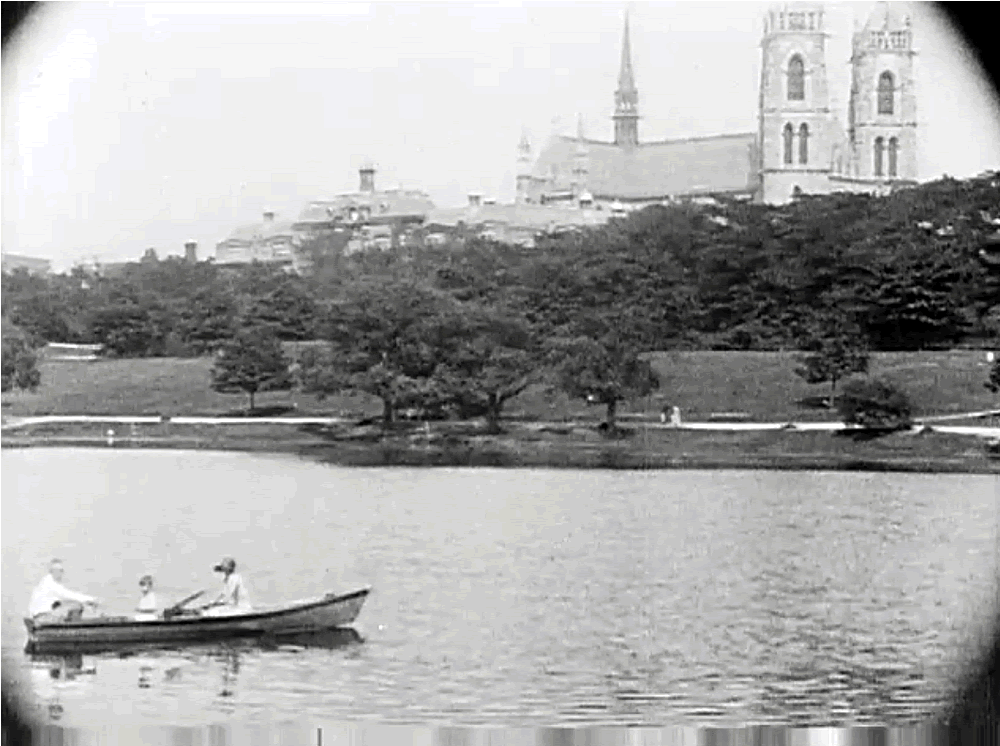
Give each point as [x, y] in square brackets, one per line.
[129, 126]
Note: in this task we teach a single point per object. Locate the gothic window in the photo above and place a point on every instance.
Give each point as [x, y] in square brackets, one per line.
[893, 152]
[788, 136]
[879, 148]
[804, 143]
[885, 91]
[796, 21]
[796, 79]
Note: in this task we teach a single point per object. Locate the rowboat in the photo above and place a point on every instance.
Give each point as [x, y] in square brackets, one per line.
[325, 639]
[305, 616]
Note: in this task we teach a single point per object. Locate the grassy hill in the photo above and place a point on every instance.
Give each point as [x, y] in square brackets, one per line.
[762, 385]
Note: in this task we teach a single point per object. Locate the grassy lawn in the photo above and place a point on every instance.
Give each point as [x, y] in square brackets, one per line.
[761, 384]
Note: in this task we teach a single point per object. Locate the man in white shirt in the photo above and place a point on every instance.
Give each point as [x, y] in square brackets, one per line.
[234, 598]
[51, 601]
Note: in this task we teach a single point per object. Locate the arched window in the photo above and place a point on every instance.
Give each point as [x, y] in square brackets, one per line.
[804, 143]
[893, 152]
[796, 79]
[885, 91]
[879, 148]
[788, 135]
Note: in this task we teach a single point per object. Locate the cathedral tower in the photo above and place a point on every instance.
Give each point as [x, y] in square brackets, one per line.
[523, 185]
[882, 113]
[626, 116]
[581, 161]
[796, 129]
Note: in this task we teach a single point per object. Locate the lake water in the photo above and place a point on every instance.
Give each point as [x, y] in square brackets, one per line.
[512, 597]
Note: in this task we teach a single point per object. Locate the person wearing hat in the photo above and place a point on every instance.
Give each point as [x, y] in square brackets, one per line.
[146, 608]
[234, 598]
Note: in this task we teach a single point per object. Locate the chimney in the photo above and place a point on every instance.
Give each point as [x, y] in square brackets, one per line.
[367, 173]
[191, 251]
[475, 199]
[268, 216]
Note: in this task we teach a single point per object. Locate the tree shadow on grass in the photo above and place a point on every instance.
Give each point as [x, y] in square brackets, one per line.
[865, 434]
[815, 402]
[273, 411]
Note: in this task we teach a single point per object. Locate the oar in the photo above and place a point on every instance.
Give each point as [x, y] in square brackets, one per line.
[175, 609]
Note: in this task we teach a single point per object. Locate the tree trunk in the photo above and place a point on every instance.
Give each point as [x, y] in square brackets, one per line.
[833, 391]
[388, 412]
[612, 411]
[251, 400]
[493, 408]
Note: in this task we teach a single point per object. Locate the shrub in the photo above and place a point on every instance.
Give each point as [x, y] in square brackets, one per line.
[874, 403]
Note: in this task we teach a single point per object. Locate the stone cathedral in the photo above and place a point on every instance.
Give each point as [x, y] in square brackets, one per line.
[799, 148]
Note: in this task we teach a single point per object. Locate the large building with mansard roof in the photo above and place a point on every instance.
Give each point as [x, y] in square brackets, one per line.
[799, 146]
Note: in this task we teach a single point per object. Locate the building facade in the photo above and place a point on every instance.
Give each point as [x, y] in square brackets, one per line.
[369, 218]
[269, 242]
[798, 148]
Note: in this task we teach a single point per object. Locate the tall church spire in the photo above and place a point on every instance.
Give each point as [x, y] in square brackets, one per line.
[626, 115]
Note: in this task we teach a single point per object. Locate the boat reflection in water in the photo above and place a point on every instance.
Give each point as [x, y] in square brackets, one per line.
[65, 661]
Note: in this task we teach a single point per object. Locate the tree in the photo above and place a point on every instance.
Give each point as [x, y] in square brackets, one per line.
[20, 363]
[288, 309]
[603, 370]
[875, 404]
[206, 320]
[252, 362]
[495, 358]
[385, 339]
[836, 352]
[128, 326]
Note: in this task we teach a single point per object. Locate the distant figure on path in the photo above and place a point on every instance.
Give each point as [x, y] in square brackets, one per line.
[146, 608]
[234, 598]
[675, 415]
[51, 601]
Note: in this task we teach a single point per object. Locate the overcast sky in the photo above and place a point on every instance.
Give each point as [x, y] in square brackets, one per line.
[130, 126]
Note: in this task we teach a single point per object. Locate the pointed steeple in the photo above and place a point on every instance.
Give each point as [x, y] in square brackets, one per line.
[626, 115]
[626, 78]
[581, 164]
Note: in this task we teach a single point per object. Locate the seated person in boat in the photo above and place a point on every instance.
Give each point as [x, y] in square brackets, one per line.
[234, 598]
[51, 601]
[146, 608]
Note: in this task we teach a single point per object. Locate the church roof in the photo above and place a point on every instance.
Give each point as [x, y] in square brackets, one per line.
[261, 231]
[723, 163]
[384, 204]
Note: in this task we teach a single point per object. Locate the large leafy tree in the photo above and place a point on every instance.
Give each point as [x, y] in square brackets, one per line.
[384, 338]
[126, 328]
[603, 370]
[251, 363]
[288, 309]
[207, 320]
[20, 363]
[494, 357]
[836, 349]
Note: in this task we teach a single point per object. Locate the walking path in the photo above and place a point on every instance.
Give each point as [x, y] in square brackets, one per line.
[982, 432]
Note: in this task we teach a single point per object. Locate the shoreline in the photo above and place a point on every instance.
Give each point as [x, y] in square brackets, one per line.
[566, 446]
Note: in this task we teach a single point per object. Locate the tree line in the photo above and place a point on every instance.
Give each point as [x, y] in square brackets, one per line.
[471, 323]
